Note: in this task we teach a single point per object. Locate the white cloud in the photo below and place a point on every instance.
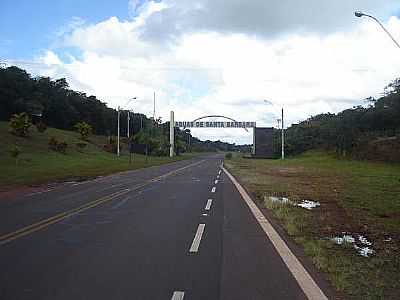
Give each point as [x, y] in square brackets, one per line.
[230, 72]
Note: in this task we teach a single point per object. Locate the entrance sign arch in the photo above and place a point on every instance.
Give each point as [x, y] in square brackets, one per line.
[197, 123]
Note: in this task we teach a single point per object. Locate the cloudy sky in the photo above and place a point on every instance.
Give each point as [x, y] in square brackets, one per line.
[207, 57]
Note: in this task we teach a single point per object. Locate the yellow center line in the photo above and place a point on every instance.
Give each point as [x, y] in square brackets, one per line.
[6, 238]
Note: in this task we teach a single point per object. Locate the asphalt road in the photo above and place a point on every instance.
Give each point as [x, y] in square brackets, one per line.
[179, 231]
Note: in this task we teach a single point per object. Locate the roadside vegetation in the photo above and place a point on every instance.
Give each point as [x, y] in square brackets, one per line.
[367, 132]
[50, 132]
[356, 197]
[45, 102]
[62, 155]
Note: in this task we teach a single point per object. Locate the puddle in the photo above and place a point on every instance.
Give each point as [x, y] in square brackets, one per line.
[308, 204]
[280, 200]
[364, 251]
[360, 243]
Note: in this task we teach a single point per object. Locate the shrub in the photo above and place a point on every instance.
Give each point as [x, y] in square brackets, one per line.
[15, 153]
[84, 129]
[58, 146]
[81, 145]
[41, 126]
[20, 124]
[62, 147]
[112, 148]
[53, 143]
[228, 156]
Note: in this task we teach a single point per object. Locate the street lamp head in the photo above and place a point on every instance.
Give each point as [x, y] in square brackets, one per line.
[359, 14]
[268, 102]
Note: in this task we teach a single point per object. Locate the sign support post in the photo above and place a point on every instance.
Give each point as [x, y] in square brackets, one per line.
[171, 134]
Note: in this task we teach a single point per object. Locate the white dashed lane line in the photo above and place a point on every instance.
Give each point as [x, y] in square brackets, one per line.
[178, 295]
[216, 181]
[197, 238]
[213, 189]
[208, 205]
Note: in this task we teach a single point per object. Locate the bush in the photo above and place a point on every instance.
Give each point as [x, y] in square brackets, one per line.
[111, 146]
[81, 145]
[41, 126]
[15, 153]
[58, 146]
[84, 129]
[228, 156]
[20, 124]
[62, 147]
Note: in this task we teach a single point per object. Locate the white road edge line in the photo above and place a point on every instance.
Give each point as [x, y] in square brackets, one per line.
[197, 238]
[178, 295]
[208, 205]
[307, 284]
[213, 189]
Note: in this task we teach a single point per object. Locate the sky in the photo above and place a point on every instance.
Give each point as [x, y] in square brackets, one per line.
[209, 57]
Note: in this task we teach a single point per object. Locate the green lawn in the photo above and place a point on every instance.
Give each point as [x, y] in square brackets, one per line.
[355, 196]
[38, 164]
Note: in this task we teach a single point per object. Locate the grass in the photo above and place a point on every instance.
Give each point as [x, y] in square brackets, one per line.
[355, 196]
[37, 164]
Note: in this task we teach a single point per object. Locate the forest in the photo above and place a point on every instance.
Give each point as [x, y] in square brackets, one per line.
[370, 131]
[55, 104]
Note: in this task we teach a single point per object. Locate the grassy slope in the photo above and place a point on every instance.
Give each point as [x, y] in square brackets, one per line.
[358, 197]
[37, 164]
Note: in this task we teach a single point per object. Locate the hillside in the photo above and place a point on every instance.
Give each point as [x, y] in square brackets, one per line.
[38, 164]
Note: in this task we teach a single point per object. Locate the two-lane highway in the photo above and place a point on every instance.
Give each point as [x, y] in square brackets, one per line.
[178, 231]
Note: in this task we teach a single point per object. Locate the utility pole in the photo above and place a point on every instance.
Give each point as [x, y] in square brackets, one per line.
[171, 135]
[154, 107]
[118, 132]
[119, 113]
[283, 138]
[128, 124]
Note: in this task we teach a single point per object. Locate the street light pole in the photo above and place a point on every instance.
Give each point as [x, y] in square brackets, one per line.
[282, 130]
[127, 134]
[119, 113]
[360, 14]
[118, 132]
[283, 139]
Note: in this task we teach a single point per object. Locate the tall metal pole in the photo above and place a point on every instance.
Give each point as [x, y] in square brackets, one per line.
[154, 107]
[360, 14]
[128, 123]
[283, 138]
[171, 134]
[118, 133]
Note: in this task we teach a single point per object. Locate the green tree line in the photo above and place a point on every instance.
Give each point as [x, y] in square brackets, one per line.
[352, 132]
[56, 105]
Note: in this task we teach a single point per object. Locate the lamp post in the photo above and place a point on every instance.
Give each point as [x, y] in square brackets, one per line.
[119, 113]
[282, 130]
[360, 14]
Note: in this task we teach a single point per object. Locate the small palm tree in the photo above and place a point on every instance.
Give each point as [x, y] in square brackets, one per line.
[20, 124]
[84, 130]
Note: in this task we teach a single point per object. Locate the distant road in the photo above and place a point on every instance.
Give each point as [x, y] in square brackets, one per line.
[177, 231]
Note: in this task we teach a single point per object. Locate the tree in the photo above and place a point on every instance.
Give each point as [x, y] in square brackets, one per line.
[20, 124]
[84, 129]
